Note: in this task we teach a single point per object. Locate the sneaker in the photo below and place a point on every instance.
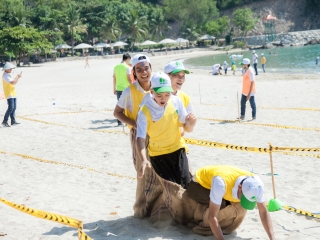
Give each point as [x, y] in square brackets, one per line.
[241, 118]
[253, 119]
[14, 123]
[5, 125]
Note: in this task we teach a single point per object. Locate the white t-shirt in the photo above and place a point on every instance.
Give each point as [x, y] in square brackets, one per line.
[251, 77]
[157, 112]
[218, 189]
[255, 58]
[215, 68]
[225, 66]
[125, 101]
[7, 77]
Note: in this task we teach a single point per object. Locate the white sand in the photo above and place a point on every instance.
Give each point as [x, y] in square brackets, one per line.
[92, 197]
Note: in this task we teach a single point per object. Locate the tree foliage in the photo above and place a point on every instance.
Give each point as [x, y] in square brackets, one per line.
[244, 20]
[218, 26]
[20, 40]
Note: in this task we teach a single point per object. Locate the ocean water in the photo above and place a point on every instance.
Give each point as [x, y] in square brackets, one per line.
[300, 59]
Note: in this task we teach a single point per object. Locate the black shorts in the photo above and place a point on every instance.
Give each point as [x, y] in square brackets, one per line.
[173, 167]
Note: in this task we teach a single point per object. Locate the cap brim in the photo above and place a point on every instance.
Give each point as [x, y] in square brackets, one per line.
[246, 204]
[163, 89]
[180, 70]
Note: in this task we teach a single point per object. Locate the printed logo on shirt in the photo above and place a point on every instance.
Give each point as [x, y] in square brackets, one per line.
[163, 81]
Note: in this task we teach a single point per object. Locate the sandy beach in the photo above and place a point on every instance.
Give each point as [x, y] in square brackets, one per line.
[79, 162]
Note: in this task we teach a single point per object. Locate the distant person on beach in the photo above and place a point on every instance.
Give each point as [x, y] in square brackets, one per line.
[160, 118]
[216, 69]
[317, 60]
[126, 111]
[219, 186]
[225, 67]
[87, 60]
[248, 89]
[10, 94]
[263, 62]
[233, 67]
[255, 61]
[121, 77]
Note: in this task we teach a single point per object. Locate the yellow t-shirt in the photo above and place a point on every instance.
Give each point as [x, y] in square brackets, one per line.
[8, 88]
[164, 134]
[229, 174]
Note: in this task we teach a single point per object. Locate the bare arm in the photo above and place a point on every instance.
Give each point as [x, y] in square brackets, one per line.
[190, 122]
[266, 220]
[114, 84]
[129, 78]
[119, 114]
[143, 155]
[213, 221]
[15, 81]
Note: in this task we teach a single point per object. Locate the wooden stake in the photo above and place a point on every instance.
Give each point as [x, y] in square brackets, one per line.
[272, 174]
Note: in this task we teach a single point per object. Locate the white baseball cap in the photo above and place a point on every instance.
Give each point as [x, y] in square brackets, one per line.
[254, 51]
[138, 58]
[175, 67]
[245, 61]
[252, 189]
[262, 54]
[8, 66]
[160, 82]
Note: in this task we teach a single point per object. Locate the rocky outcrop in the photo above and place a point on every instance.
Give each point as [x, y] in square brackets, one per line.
[313, 42]
[289, 39]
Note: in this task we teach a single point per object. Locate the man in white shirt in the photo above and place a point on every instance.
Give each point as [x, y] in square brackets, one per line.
[255, 61]
[10, 94]
[216, 69]
[220, 186]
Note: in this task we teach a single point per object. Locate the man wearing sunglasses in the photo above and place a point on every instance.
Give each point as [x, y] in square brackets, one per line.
[222, 186]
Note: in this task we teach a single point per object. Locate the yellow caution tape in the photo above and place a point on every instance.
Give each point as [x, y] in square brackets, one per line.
[66, 164]
[82, 235]
[45, 215]
[224, 145]
[68, 126]
[292, 149]
[72, 112]
[306, 213]
[262, 124]
[201, 142]
[274, 108]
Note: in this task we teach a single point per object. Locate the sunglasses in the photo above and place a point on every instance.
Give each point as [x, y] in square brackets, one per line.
[242, 181]
[142, 57]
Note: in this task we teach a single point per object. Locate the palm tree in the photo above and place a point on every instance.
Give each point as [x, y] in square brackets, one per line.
[158, 24]
[135, 26]
[74, 24]
[191, 33]
[110, 29]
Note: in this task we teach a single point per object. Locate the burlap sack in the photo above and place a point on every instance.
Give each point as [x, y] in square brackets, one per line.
[165, 202]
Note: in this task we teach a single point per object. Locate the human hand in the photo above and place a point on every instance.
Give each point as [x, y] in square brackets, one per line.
[114, 92]
[144, 164]
[248, 97]
[19, 75]
[191, 119]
